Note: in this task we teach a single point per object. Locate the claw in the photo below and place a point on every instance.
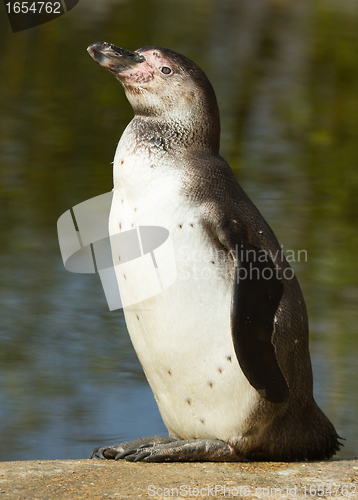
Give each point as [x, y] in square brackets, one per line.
[100, 455]
[94, 453]
[147, 445]
[142, 456]
[123, 454]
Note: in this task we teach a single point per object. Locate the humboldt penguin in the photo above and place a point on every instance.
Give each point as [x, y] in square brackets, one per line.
[225, 347]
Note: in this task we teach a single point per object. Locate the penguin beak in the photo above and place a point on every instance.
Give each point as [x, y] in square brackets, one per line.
[114, 58]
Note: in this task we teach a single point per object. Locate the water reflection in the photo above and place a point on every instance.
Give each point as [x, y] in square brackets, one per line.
[287, 90]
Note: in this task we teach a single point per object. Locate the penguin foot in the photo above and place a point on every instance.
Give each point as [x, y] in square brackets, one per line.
[121, 450]
[166, 449]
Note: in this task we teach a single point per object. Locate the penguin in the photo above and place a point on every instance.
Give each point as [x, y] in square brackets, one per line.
[225, 347]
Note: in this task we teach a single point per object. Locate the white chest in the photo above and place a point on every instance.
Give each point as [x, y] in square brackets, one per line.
[182, 335]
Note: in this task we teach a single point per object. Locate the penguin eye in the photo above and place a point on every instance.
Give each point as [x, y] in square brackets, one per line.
[166, 70]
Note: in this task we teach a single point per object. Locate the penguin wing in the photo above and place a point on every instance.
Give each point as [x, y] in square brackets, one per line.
[256, 295]
[229, 216]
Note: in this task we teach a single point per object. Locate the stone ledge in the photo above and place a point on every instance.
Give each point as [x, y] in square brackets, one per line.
[79, 479]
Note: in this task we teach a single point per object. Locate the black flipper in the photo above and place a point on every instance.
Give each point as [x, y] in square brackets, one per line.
[257, 292]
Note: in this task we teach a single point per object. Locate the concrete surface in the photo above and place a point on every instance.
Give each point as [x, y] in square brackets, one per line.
[77, 479]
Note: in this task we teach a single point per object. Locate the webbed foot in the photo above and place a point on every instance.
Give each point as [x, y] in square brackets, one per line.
[120, 450]
[166, 449]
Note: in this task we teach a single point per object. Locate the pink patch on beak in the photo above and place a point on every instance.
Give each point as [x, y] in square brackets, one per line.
[138, 74]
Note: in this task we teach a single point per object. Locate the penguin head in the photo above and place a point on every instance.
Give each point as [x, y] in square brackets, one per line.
[163, 84]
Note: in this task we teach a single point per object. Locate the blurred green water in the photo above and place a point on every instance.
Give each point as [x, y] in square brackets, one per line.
[286, 77]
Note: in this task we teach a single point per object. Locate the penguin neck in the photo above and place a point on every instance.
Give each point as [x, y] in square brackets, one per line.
[175, 134]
